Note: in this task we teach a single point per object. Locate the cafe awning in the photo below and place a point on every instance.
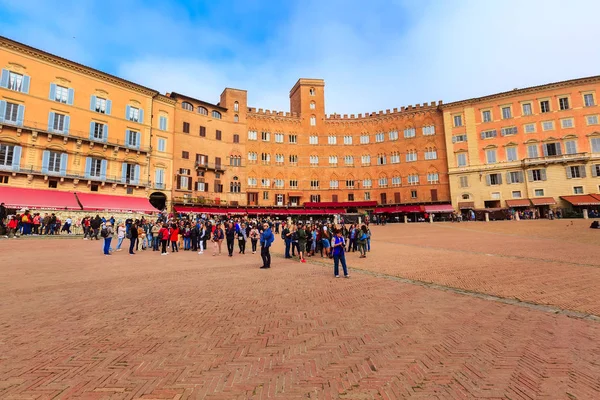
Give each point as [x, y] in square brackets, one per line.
[19, 198]
[543, 201]
[106, 202]
[518, 203]
[466, 205]
[582, 200]
[439, 208]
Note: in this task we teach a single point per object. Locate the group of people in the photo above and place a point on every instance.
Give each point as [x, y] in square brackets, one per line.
[25, 223]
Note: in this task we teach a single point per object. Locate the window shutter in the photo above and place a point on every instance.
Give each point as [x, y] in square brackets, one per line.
[594, 171]
[45, 161]
[558, 149]
[137, 174]
[488, 180]
[103, 166]
[127, 137]
[138, 142]
[67, 124]
[108, 107]
[105, 133]
[502, 131]
[545, 150]
[569, 175]
[543, 174]
[521, 177]
[157, 177]
[482, 135]
[141, 115]
[51, 122]
[16, 161]
[4, 79]
[64, 159]
[124, 173]
[508, 180]
[127, 110]
[92, 126]
[52, 95]
[2, 110]
[88, 167]
[93, 103]
[499, 179]
[71, 97]
[178, 182]
[20, 114]
[189, 183]
[530, 175]
[582, 171]
[25, 86]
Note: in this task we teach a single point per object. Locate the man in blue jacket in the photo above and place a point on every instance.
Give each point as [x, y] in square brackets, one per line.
[266, 239]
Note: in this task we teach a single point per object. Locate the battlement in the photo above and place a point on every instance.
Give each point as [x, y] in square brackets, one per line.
[408, 109]
[271, 113]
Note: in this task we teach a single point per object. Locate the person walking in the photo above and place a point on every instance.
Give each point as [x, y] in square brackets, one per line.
[156, 238]
[120, 236]
[254, 236]
[164, 235]
[174, 238]
[218, 236]
[286, 235]
[230, 236]
[133, 237]
[362, 241]
[266, 239]
[107, 234]
[339, 248]
[242, 238]
[301, 234]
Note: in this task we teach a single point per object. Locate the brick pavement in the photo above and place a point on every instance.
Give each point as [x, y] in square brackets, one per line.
[186, 326]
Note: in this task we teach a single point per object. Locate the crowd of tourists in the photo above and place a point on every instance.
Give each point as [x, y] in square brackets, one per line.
[24, 222]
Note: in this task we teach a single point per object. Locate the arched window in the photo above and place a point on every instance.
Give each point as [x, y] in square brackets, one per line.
[313, 120]
[236, 106]
[235, 186]
[202, 111]
[236, 118]
[466, 196]
[187, 106]
[313, 105]
[312, 91]
[216, 114]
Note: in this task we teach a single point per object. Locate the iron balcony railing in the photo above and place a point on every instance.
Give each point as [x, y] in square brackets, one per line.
[559, 158]
[71, 174]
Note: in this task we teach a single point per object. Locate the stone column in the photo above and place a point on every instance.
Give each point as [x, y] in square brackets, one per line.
[517, 218]
[585, 213]
[405, 219]
[430, 219]
[487, 217]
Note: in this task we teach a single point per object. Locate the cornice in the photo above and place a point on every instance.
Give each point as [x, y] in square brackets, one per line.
[166, 99]
[62, 62]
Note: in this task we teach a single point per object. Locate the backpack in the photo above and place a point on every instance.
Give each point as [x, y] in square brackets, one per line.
[104, 233]
[595, 225]
[363, 236]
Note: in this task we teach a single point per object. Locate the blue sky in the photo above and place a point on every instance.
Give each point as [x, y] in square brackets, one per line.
[373, 55]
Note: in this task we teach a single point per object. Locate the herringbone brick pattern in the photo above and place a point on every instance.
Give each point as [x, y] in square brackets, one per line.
[75, 324]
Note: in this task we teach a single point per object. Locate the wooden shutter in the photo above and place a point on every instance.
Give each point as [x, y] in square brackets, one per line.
[594, 171]
[434, 195]
[202, 131]
[179, 181]
[545, 150]
[508, 178]
[569, 174]
[521, 177]
[488, 180]
[217, 162]
[218, 134]
[582, 171]
[499, 179]
[558, 149]
[543, 174]
[189, 183]
[530, 175]
[397, 198]
[334, 198]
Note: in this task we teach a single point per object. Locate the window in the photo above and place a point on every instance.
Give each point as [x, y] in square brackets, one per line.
[396, 181]
[493, 179]
[185, 155]
[279, 183]
[333, 184]
[486, 116]
[571, 147]
[162, 145]
[364, 139]
[332, 140]
[506, 113]
[532, 151]
[566, 123]
[413, 179]
[59, 123]
[186, 127]
[512, 130]
[252, 157]
[265, 195]
[265, 182]
[314, 184]
[265, 136]
[293, 139]
[457, 121]
[413, 194]
[545, 106]
[162, 123]
[367, 196]
[516, 194]
[430, 153]
[236, 106]
[265, 158]
[464, 182]
[313, 139]
[349, 160]
[279, 138]
[459, 138]
[514, 177]
[251, 181]
[333, 160]
[100, 105]
[159, 178]
[313, 105]
[393, 135]
[97, 131]
[536, 175]
[202, 131]
[511, 154]
[293, 184]
[429, 130]
[134, 114]
[577, 171]
[218, 135]
[313, 121]
[433, 177]
[527, 109]
[529, 128]
[347, 140]
[314, 160]
[383, 182]
[539, 192]
[595, 168]
[235, 161]
[563, 103]
[548, 125]
[588, 100]
[236, 118]
[552, 149]
[201, 110]
[461, 159]
[592, 119]
[350, 183]
[54, 159]
[578, 190]
[315, 198]
[379, 137]
[133, 139]
[252, 135]
[367, 183]
[13, 81]
[279, 158]
[234, 186]
[187, 106]
[491, 156]
[12, 112]
[293, 159]
[410, 133]
[489, 134]
[61, 94]
[595, 145]
[236, 138]
[381, 159]
[496, 195]
[411, 155]
[8, 154]
[366, 159]
[395, 158]
[216, 115]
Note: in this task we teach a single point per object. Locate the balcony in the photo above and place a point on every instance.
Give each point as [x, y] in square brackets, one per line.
[209, 167]
[562, 158]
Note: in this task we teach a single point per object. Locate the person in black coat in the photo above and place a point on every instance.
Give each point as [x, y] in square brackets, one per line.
[133, 237]
[230, 236]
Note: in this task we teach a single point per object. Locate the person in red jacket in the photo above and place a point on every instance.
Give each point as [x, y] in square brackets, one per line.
[174, 238]
[164, 235]
[12, 226]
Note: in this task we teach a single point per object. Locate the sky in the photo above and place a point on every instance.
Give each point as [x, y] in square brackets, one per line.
[372, 55]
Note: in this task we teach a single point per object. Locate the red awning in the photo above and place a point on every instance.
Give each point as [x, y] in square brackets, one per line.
[106, 202]
[543, 201]
[583, 200]
[465, 205]
[410, 209]
[518, 203]
[38, 199]
[439, 208]
[294, 194]
[202, 210]
[341, 204]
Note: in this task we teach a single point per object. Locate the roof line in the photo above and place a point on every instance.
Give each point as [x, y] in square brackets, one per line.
[183, 96]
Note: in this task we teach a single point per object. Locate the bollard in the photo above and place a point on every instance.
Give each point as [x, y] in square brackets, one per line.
[430, 219]
[585, 213]
[405, 219]
[487, 217]
[517, 218]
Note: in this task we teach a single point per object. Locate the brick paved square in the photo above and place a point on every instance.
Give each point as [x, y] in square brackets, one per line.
[76, 324]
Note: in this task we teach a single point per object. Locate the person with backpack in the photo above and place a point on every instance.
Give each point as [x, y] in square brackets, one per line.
[362, 241]
[254, 236]
[266, 239]
[286, 235]
[120, 236]
[107, 234]
[338, 250]
[218, 236]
